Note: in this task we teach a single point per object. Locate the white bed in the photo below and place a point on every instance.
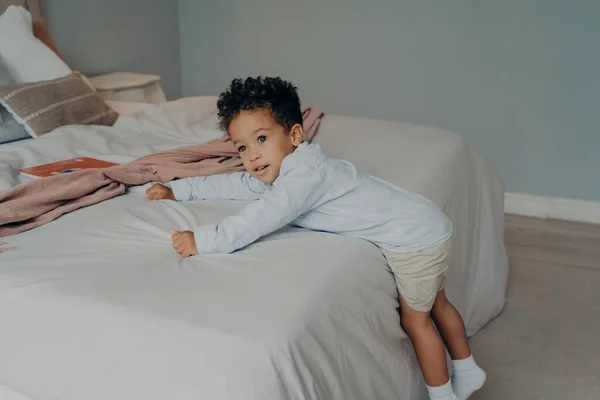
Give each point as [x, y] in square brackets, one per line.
[96, 305]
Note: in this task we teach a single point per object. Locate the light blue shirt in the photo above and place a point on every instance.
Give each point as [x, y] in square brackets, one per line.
[320, 193]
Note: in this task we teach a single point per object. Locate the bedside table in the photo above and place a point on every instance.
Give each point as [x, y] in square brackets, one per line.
[125, 86]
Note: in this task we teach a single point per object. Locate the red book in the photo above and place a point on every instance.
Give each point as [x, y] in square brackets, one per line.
[65, 166]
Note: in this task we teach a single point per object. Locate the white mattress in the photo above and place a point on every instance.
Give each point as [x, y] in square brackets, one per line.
[96, 305]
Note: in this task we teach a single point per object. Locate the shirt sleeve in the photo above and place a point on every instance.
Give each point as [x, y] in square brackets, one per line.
[233, 186]
[295, 192]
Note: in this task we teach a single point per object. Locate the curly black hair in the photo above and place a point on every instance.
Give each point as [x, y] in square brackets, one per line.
[274, 94]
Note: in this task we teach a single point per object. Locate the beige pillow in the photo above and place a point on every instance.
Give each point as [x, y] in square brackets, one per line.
[44, 106]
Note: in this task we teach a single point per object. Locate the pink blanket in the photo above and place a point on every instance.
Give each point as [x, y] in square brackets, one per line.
[36, 203]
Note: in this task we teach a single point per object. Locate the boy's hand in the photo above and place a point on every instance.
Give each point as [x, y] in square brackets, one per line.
[159, 192]
[184, 242]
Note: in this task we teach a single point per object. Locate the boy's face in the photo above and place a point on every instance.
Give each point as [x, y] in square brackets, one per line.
[262, 143]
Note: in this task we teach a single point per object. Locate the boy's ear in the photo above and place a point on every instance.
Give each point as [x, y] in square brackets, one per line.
[297, 135]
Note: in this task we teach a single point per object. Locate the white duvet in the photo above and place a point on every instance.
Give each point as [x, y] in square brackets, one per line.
[96, 305]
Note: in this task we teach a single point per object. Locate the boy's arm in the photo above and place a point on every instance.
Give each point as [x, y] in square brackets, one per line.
[296, 192]
[233, 186]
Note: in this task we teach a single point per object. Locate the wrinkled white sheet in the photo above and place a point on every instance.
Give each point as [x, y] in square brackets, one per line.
[96, 305]
[122, 107]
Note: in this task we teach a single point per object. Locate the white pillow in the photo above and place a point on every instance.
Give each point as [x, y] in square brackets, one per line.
[4, 78]
[25, 57]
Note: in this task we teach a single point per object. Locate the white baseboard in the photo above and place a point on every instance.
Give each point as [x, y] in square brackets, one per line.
[552, 207]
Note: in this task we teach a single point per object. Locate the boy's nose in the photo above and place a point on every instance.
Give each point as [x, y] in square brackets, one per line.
[254, 155]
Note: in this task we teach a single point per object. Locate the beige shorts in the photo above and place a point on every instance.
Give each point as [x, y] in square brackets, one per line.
[420, 275]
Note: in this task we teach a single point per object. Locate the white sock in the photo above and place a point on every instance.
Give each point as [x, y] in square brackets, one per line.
[467, 377]
[443, 392]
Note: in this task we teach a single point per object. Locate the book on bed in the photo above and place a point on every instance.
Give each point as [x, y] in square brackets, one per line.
[65, 166]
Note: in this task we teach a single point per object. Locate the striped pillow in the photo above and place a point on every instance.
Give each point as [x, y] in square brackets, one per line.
[44, 106]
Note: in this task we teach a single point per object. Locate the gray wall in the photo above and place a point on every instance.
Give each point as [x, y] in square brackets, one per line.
[518, 78]
[99, 36]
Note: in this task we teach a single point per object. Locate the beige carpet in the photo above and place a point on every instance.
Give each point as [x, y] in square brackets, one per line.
[546, 343]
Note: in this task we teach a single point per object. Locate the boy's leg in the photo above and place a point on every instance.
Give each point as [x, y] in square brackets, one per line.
[467, 377]
[428, 345]
[419, 276]
[430, 351]
[451, 327]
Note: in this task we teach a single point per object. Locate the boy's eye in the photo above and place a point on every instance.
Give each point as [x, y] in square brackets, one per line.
[261, 138]
[241, 149]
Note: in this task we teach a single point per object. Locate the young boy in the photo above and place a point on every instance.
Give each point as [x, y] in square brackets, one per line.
[294, 182]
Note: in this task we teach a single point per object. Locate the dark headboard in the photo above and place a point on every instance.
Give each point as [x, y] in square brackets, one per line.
[34, 6]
